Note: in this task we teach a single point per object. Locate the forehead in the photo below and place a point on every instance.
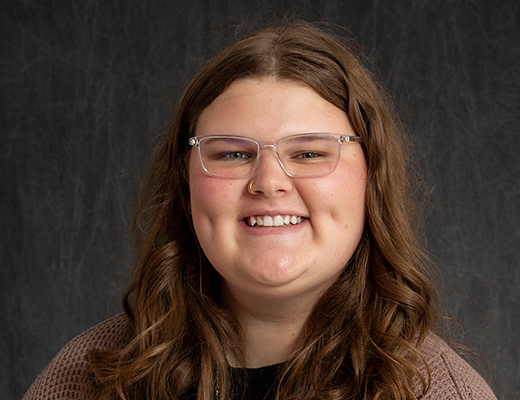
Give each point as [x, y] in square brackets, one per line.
[268, 109]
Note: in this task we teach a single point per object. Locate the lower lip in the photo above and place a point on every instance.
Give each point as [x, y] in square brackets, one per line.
[273, 230]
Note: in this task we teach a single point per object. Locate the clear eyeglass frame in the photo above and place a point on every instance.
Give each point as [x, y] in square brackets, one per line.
[196, 141]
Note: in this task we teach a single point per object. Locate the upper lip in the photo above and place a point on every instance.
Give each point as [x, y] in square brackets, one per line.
[262, 212]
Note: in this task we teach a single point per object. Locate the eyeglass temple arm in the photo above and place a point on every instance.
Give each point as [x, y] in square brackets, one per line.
[348, 138]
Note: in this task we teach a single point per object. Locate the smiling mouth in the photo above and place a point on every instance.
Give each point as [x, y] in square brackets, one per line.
[276, 220]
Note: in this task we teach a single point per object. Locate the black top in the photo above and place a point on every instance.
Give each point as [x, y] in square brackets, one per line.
[261, 383]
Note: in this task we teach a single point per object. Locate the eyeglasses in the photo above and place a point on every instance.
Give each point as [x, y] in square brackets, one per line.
[303, 155]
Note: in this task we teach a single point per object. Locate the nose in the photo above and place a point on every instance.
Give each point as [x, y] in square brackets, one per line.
[269, 175]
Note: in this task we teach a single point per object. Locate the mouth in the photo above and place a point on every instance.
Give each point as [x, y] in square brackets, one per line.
[273, 220]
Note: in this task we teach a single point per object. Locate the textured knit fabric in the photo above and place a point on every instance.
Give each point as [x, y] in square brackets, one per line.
[452, 377]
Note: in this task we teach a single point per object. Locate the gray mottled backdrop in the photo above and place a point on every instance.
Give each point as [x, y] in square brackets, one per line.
[86, 85]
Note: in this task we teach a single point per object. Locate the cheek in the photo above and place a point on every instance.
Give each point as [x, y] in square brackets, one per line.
[204, 200]
[354, 181]
[201, 188]
[204, 208]
[211, 198]
[346, 189]
[347, 204]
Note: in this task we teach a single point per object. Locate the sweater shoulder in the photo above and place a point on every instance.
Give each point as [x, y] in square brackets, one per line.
[63, 377]
[452, 378]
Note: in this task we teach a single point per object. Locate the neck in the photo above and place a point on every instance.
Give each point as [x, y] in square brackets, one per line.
[271, 325]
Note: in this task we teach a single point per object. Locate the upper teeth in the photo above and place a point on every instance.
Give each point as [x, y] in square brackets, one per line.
[276, 220]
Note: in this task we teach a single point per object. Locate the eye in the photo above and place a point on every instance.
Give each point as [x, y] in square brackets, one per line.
[234, 156]
[309, 154]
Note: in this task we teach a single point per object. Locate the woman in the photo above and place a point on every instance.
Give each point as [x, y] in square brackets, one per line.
[277, 251]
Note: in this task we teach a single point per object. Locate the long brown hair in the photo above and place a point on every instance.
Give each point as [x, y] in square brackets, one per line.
[360, 341]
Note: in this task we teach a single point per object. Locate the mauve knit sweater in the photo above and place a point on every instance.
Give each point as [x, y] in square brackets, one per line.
[452, 377]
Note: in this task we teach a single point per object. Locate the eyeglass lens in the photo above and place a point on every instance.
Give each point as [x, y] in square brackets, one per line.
[301, 155]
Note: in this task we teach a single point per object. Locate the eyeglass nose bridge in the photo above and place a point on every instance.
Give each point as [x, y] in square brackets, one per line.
[274, 146]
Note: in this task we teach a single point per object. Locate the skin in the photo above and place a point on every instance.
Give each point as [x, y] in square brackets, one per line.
[272, 277]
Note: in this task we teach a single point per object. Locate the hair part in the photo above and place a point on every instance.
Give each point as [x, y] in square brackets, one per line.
[361, 340]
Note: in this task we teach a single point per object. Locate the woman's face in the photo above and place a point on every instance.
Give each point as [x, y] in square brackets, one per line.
[287, 261]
